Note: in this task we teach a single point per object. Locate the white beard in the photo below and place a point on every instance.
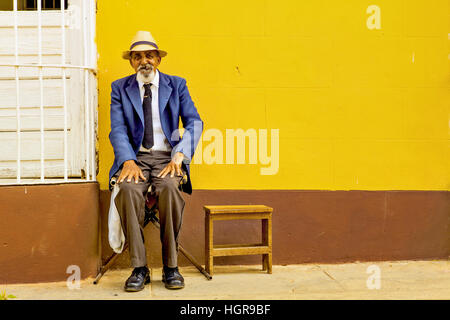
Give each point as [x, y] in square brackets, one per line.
[145, 77]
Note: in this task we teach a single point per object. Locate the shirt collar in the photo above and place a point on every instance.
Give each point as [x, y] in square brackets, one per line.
[154, 82]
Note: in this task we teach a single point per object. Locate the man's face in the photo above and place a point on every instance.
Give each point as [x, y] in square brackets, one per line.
[145, 62]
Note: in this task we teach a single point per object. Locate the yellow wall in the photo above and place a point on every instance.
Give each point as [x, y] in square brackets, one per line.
[355, 108]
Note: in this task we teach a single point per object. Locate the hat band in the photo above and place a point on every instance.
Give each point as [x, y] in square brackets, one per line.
[144, 42]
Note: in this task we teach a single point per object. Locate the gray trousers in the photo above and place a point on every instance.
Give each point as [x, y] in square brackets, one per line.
[130, 203]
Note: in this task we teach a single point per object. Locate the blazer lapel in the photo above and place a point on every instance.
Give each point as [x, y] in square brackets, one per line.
[164, 92]
[135, 97]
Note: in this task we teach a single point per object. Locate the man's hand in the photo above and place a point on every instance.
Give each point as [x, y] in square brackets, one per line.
[131, 170]
[174, 166]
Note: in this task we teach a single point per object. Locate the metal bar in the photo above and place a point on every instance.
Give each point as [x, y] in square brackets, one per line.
[86, 93]
[92, 141]
[87, 120]
[91, 63]
[32, 181]
[36, 65]
[108, 263]
[41, 85]
[63, 70]
[93, 12]
[16, 53]
[39, 11]
[194, 262]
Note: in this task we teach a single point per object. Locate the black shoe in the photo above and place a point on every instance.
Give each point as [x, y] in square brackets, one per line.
[172, 278]
[138, 279]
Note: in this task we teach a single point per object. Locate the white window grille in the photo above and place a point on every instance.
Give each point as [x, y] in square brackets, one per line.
[48, 94]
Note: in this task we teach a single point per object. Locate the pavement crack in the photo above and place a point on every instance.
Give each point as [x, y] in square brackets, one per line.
[332, 278]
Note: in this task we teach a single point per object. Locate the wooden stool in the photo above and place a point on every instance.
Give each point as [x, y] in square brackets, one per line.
[213, 213]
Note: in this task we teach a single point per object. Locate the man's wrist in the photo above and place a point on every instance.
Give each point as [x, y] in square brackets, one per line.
[129, 162]
[178, 158]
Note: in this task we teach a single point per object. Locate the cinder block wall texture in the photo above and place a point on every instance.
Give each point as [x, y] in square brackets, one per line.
[359, 93]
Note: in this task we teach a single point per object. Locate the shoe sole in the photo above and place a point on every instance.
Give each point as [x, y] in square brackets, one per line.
[172, 287]
[147, 281]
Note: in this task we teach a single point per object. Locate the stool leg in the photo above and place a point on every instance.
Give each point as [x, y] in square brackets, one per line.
[264, 262]
[269, 263]
[264, 242]
[267, 241]
[209, 232]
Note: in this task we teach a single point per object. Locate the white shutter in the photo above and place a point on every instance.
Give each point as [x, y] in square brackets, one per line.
[80, 122]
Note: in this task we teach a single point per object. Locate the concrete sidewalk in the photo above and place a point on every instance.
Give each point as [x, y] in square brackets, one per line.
[398, 280]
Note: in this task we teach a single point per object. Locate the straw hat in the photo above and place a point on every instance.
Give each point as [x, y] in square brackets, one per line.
[143, 41]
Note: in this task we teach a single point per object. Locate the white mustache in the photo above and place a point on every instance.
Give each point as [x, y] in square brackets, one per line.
[146, 67]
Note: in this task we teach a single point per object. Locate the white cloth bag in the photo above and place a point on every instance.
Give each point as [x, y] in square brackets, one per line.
[116, 236]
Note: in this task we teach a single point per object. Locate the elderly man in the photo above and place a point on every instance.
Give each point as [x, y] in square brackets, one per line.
[145, 112]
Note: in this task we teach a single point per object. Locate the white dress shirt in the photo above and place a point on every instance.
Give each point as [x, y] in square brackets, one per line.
[159, 139]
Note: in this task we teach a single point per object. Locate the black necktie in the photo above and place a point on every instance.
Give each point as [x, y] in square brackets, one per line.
[148, 123]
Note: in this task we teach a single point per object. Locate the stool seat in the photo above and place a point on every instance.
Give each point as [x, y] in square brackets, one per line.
[236, 212]
[237, 209]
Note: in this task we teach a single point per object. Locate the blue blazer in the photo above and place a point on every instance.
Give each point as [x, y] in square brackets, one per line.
[127, 120]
